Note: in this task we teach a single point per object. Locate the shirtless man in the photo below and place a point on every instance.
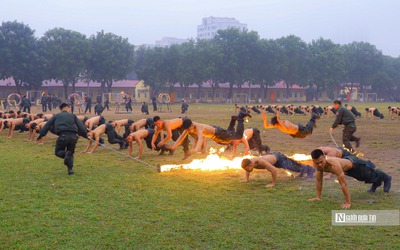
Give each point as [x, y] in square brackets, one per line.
[38, 128]
[371, 112]
[352, 166]
[353, 110]
[119, 123]
[12, 124]
[338, 152]
[147, 136]
[31, 127]
[295, 131]
[96, 133]
[328, 110]
[273, 161]
[173, 127]
[393, 111]
[217, 134]
[251, 140]
[94, 121]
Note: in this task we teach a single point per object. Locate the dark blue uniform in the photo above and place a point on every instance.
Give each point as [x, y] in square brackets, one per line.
[67, 126]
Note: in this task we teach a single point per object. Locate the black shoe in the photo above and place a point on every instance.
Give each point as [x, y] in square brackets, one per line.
[67, 158]
[315, 116]
[387, 183]
[373, 188]
[243, 114]
[162, 150]
[358, 142]
[70, 172]
[101, 141]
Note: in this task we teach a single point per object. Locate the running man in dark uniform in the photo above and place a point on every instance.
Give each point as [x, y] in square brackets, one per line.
[349, 165]
[345, 117]
[273, 161]
[67, 126]
[295, 131]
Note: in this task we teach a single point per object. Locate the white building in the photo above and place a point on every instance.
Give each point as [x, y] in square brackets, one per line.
[168, 41]
[210, 25]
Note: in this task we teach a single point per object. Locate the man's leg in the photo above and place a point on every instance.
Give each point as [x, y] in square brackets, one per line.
[347, 136]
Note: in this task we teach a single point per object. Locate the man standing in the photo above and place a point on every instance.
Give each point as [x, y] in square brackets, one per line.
[88, 101]
[154, 102]
[26, 104]
[345, 117]
[67, 126]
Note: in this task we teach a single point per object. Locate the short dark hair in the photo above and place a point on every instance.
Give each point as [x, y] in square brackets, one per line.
[337, 102]
[156, 118]
[316, 153]
[245, 162]
[63, 105]
[274, 120]
[186, 123]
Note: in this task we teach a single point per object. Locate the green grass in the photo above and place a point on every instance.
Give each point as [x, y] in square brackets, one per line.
[114, 202]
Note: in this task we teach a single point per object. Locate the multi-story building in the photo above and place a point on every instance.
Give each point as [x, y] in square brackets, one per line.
[210, 25]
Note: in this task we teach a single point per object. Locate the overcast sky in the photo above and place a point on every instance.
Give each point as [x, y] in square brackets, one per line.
[145, 21]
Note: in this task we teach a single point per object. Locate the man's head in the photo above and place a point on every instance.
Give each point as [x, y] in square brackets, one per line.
[337, 104]
[187, 123]
[247, 165]
[318, 157]
[90, 135]
[157, 121]
[64, 106]
[274, 120]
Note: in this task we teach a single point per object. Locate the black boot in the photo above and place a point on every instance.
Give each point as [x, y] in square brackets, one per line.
[387, 183]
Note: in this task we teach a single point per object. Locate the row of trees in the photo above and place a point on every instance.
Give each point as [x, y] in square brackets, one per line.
[241, 56]
[62, 55]
[233, 56]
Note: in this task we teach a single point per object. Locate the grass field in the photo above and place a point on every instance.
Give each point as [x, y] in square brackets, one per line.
[115, 202]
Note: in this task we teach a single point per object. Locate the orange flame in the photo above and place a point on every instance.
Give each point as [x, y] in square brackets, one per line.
[211, 163]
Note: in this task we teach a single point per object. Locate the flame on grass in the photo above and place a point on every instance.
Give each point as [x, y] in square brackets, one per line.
[211, 163]
[214, 162]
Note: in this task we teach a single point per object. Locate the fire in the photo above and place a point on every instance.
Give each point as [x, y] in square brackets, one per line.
[301, 157]
[214, 161]
[211, 163]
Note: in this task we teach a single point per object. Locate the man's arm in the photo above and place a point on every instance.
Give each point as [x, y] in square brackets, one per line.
[318, 184]
[180, 139]
[272, 170]
[342, 181]
[153, 140]
[88, 146]
[266, 124]
[339, 114]
[168, 137]
[11, 129]
[140, 144]
[96, 143]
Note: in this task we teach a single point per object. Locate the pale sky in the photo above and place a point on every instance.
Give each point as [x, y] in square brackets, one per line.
[145, 21]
